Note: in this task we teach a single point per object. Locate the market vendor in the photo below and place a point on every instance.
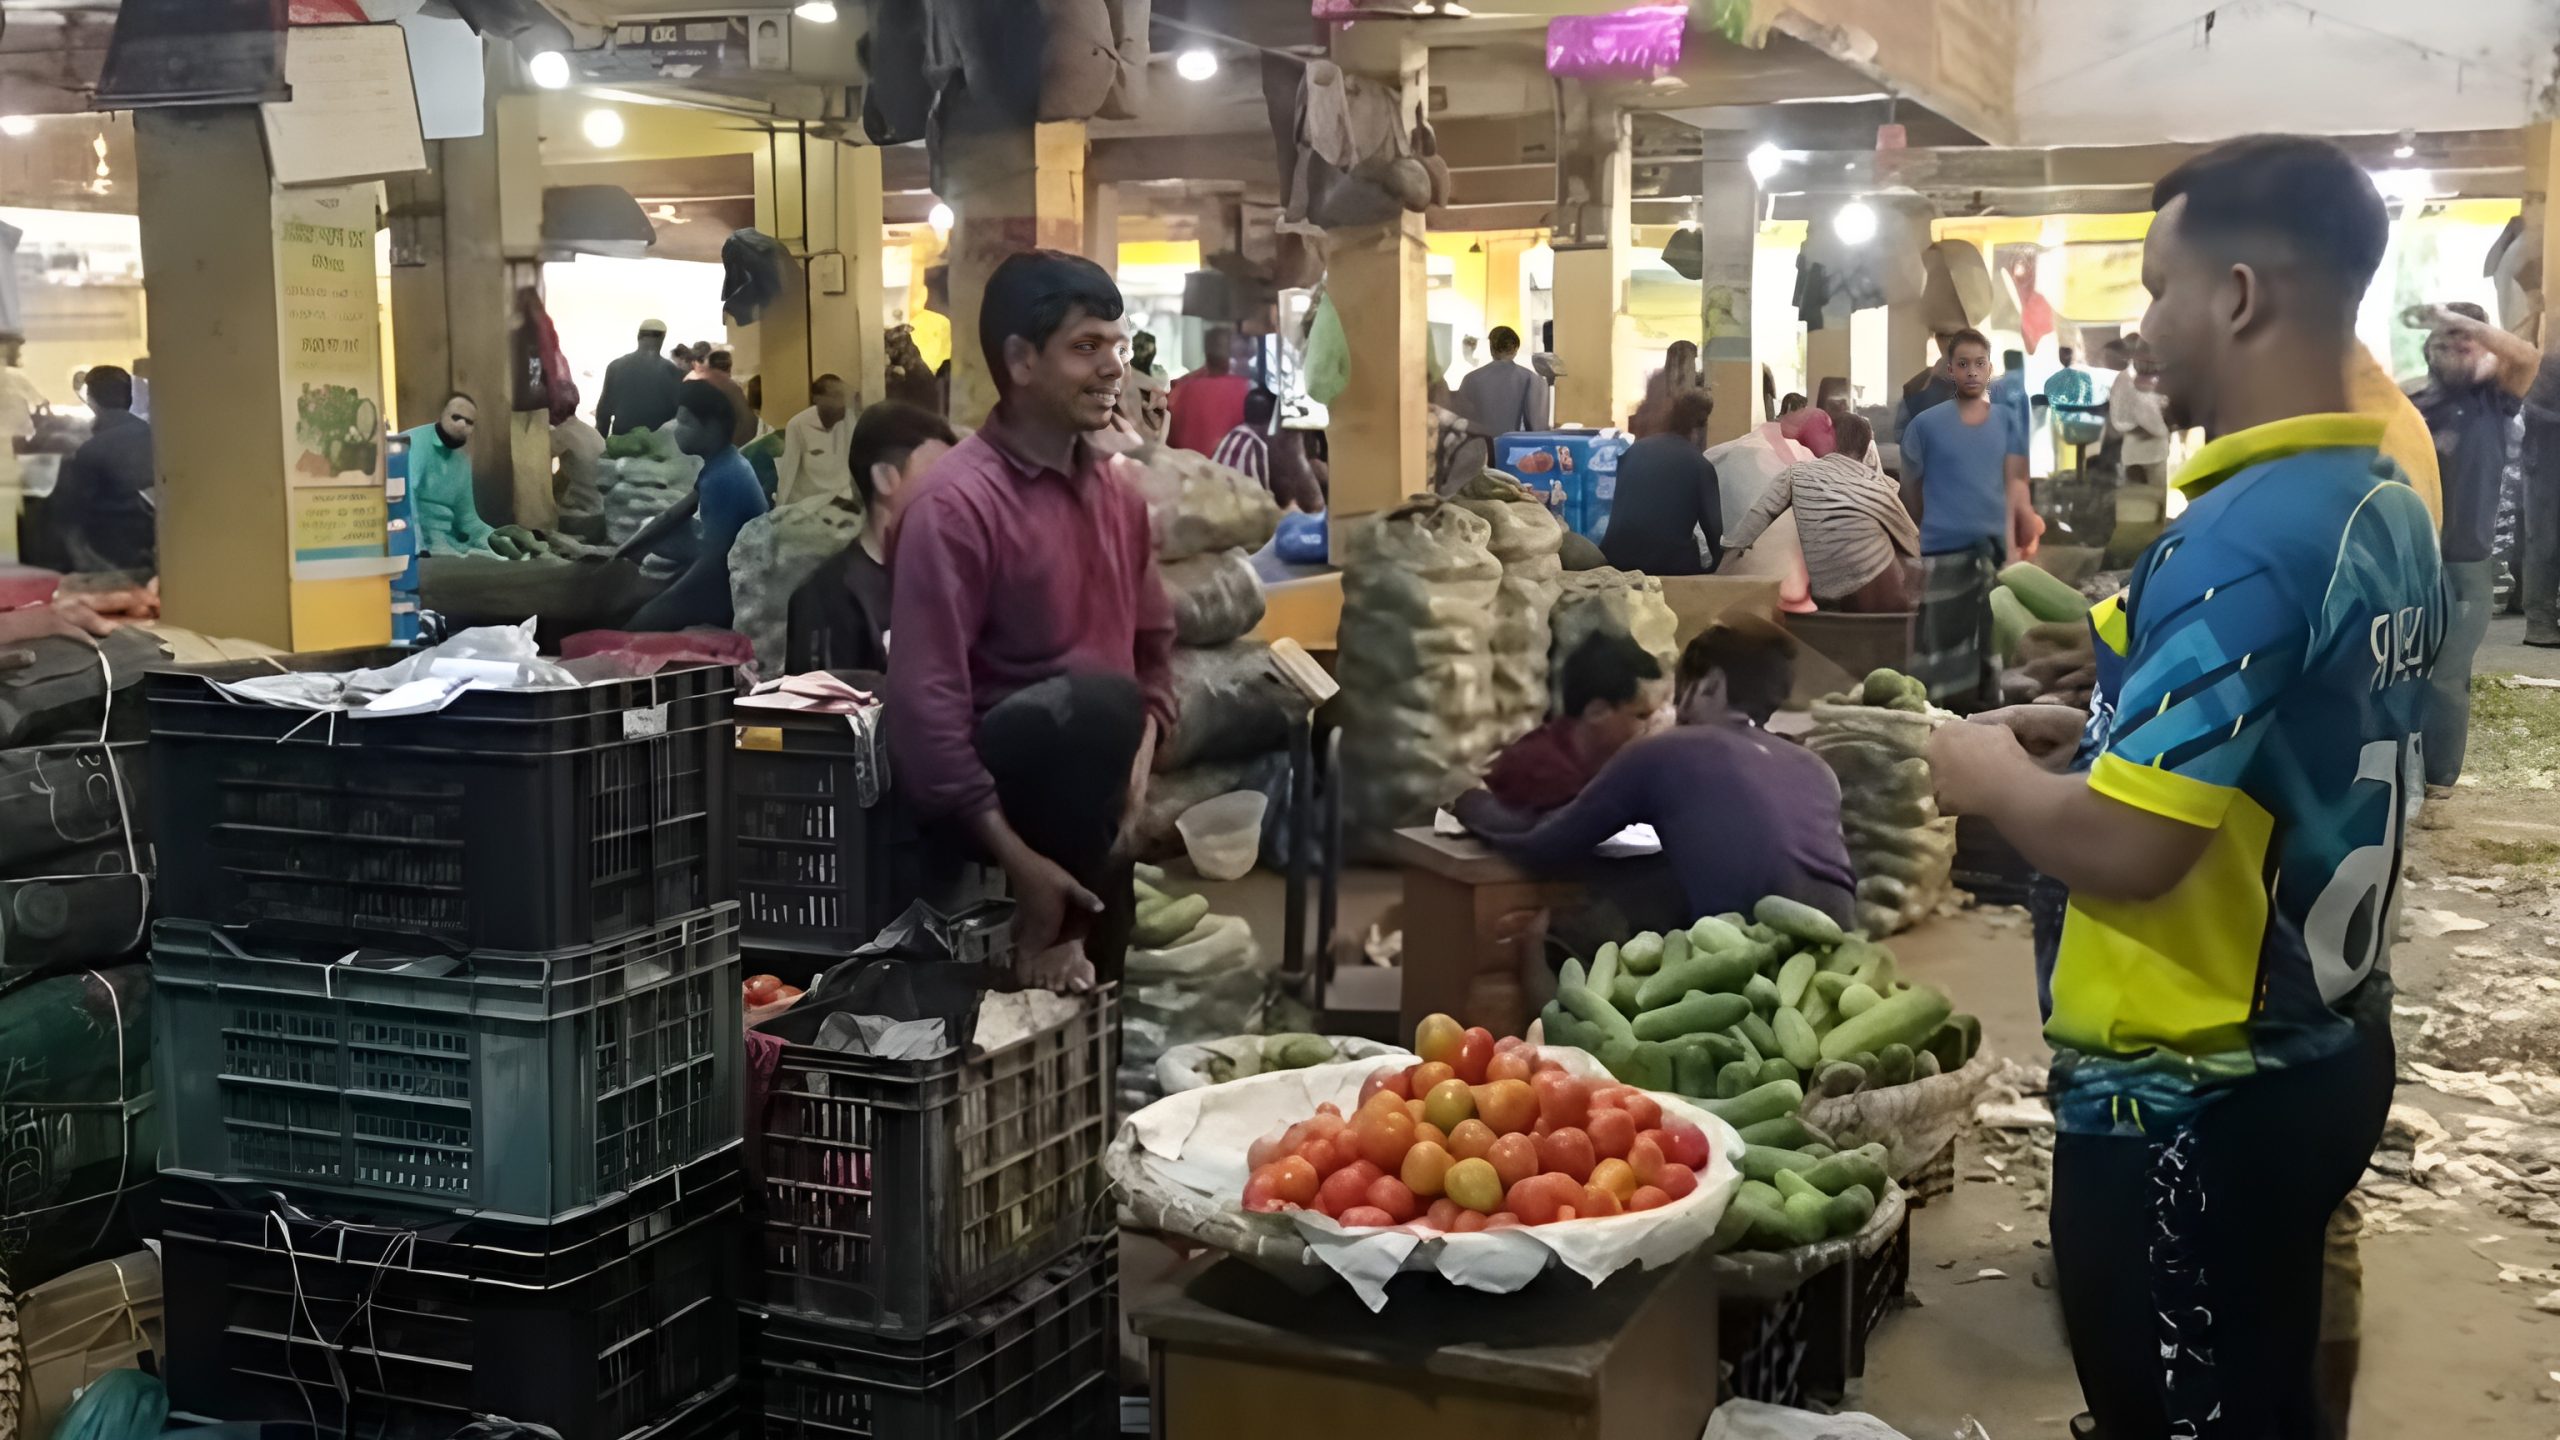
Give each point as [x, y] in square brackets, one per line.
[1032, 663]
[1740, 813]
[839, 619]
[1614, 692]
[2230, 823]
[725, 496]
[449, 520]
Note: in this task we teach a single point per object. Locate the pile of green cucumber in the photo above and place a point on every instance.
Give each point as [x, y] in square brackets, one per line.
[1164, 920]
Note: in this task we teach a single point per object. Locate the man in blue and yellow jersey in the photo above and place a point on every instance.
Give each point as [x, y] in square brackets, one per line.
[2230, 820]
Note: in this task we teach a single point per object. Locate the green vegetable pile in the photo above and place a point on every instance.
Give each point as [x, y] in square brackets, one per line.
[2026, 597]
[1163, 920]
[1885, 689]
[1294, 1051]
[1748, 1017]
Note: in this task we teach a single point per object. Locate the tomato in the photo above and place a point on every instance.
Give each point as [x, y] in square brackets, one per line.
[760, 989]
[1568, 1152]
[1475, 1051]
[1345, 1188]
[1613, 1132]
[1381, 1098]
[1389, 1194]
[1470, 1139]
[1504, 1045]
[1294, 1180]
[1426, 1131]
[1443, 1213]
[1475, 1185]
[1426, 1169]
[1562, 1099]
[1507, 1065]
[1364, 1217]
[1510, 1107]
[1262, 1193]
[1615, 1176]
[1468, 1223]
[1416, 1111]
[1326, 1124]
[1597, 1203]
[1373, 1085]
[1437, 1037]
[1677, 1181]
[1645, 1157]
[1531, 1200]
[1449, 1103]
[1684, 1144]
[1328, 1155]
[1383, 1138]
[1265, 1150]
[1545, 1066]
[1515, 1158]
[1646, 1109]
[787, 994]
[1607, 1094]
[1423, 1078]
[1501, 1220]
[1646, 1197]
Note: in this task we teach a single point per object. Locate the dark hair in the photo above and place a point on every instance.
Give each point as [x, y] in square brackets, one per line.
[708, 401]
[1503, 339]
[722, 360]
[1853, 434]
[1956, 340]
[1794, 402]
[2014, 359]
[1033, 294]
[1833, 387]
[1688, 413]
[2304, 194]
[1608, 666]
[1759, 667]
[110, 387]
[2067, 353]
[887, 434]
[823, 381]
[1259, 406]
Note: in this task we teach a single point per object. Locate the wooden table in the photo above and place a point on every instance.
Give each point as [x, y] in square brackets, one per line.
[1235, 1355]
[1456, 892]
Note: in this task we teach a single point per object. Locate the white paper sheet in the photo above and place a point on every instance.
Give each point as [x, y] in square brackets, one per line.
[1627, 844]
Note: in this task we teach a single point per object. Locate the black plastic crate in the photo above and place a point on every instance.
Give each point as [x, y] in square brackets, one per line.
[820, 867]
[1987, 866]
[1843, 1307]
[509, 820]
[522, 1087]
[1040, 1361]
[898, 1194]
[387, 1336]
[1762, 1345]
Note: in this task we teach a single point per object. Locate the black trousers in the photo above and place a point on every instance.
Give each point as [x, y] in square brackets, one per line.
[2539, 522]
[2190, 1265]
[1060, 752]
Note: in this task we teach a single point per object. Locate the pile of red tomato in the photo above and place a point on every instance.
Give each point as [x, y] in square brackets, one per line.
[1479, 1134]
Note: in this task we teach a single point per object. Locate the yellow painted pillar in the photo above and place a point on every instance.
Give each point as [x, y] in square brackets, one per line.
[1102, 224]
[1502, 284]
[1378, 278]
[776, 347]
[1826, 354]
[1728, 235]
[2542, 176]
[1009, 191]
[266, 331]
[848, 313]
[1591, 244]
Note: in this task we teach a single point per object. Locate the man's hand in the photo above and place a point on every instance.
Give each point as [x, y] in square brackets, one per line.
[2026, 530]
[2050, 734]
[1974, 764]
[68, 618]
[1042, 894]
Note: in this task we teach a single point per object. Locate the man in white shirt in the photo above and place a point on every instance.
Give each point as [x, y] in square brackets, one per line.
[815, 456]
[2134, 413]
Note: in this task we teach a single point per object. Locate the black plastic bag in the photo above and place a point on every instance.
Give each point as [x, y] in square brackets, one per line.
[923, 966]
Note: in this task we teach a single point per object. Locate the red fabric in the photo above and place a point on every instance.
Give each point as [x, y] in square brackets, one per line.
[1205, 408]
[1811, 428]
[1004, 573]
[647, 654]
[559, 391]
[1540, 771]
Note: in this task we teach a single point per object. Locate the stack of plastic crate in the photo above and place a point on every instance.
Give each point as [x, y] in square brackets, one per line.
[449, 1034]
[936, 1248]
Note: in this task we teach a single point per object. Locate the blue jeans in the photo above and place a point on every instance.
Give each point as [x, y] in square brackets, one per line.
[2469, 587]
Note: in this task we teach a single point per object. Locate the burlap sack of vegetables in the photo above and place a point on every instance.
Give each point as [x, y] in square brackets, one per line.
[1216, 597]
[1610, 599]
[1416, 666]
[641, 475]
[1912, 1121]
[1526, 537]
[1196, 506]
[1234, 706]
[1209, 984]
[775, 554]
[1902, 848]
[1770, 1274]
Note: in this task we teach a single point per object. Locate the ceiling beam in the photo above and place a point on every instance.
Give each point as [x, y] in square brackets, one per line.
[1958, 57]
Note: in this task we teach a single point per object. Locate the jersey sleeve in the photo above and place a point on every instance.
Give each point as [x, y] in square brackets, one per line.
[2216, 639]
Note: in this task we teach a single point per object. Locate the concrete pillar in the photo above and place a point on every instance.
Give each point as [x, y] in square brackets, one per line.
[1729, 235]
[821, 200]
[1591, 242]
[1378, 278]
[2542, 177]
[1102, 224]
[1826, 353]
[1009, 191]
[1904, 229]
[256, 300]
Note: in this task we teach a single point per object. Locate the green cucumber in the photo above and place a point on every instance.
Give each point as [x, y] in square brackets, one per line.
[1836, 1078]
[1713, 933]
[1809, 1212]
[1796, 1039]
[1895, 1065]
[1693, 1068]
[1925, 1065]
[1849, 1211]
[1562, 1028]
[1594, 1009]
[1759, 1192]
[1777, 1068]
[1642, 955]
[1792, 1183]
[1956, 1042]
[2044, 597]
[1830, 983]
[1623, 992]
[1721, 1045]
[1603, 974]
[1772, 1101]
[1876, 973]
[1762, 992]
[1762, 1162]
[1757, 1031]
[1694, 1013]
[1795, 975]
[1907, 1018]
[1717, 972]
[1734, 1079]
[1641, 1063]
[1750, 1052]
[1818, 1011]
[1857, 1000]
[1862, 1166]
[1793, 917]
[1731, 1229]
[1787, 1132]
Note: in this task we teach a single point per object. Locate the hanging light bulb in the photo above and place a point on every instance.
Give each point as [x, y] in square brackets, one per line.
[940, 218]
[1765, 161]
[1196, 64]
[817, 12]
[550, 70]
[1855, 223]
[17, 127]
[603, 128]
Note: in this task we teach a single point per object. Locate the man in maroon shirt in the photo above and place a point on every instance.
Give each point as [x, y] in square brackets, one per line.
[1208, 402]
[1613, 692]
[1030, 637]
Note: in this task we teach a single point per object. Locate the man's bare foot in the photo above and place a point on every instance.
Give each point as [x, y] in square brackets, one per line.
[1061, 968]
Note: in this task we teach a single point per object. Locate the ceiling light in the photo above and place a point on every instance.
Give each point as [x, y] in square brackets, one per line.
[940, 218]
[1196, 63]
[550, 70]
[603, 128]
[17, 125]
[1855, 223]
[817, 12]
[2407, 149]
[1765, 162]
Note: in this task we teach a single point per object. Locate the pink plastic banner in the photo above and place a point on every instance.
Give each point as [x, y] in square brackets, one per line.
[1626, 44]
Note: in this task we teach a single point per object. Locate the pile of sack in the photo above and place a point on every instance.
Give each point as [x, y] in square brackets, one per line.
[775, 554]
[1627, 601]
[1190, 976]
[1876, 740]
[1421, 593]
[1527, 537]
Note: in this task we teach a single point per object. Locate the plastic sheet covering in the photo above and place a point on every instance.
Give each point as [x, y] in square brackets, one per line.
[775, 554]
[1211, 984]
[122, 1405]
[1627, 601]
[1913, 1121]
[1419, 598]
[1624, 44]
[1216, 597]
[60, 691]
[1526, 539]
[79, 1126]
[1234, 706]
[1770, 1274]
[1196, 506]
[1902, 849]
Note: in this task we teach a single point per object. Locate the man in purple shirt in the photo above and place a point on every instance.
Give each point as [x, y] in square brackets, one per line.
[1030, 639]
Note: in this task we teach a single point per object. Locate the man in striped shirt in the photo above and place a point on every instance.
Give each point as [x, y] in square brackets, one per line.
[1248, 446]
[1858, 539]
